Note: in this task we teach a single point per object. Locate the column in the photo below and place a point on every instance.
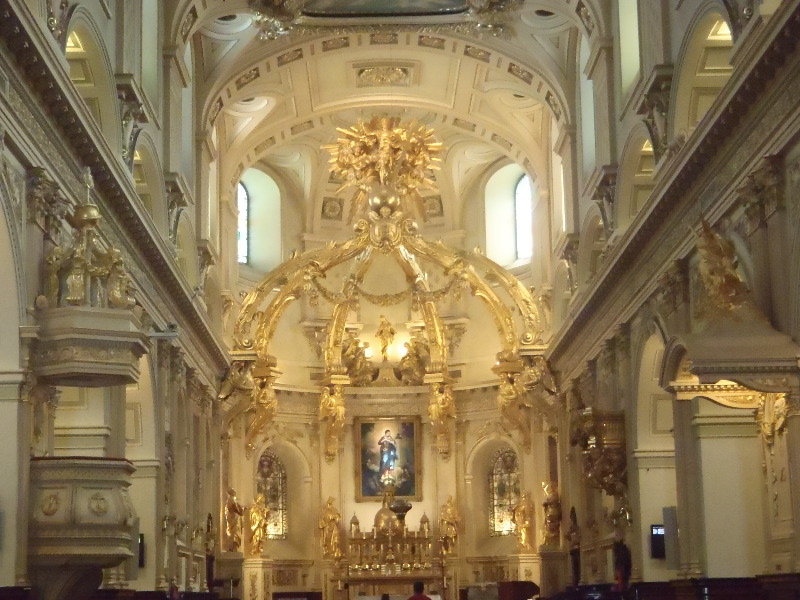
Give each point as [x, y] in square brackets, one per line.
[793, 453]
[690, 541]
[14, 428]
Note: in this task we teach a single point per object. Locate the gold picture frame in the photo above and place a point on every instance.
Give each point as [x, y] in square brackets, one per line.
[388, 448]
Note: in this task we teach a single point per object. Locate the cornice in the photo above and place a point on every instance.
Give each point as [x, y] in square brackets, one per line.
[681, 182]
[25, 41]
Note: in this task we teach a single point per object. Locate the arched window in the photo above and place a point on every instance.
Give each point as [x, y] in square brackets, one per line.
[509, 207]
[243, 226]
[272, 483]
[260, 235]
[503, 491]
[523, 212]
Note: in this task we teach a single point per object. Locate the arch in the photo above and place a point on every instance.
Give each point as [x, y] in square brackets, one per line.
[674, 366]
[504, 490]
[591, 246]
[653, 472]
[486, 447]
[703, 70]
[635, 180]
[300, 503]
[92, 74]
[149, 182]
[500, 219]
[187, 252]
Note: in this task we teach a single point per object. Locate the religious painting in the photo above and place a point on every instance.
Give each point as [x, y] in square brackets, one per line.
[382, 8]
[388, 451]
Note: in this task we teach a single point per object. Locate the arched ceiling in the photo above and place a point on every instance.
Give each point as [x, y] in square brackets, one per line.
[492, 94]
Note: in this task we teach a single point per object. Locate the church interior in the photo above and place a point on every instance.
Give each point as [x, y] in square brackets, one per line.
[315, 299]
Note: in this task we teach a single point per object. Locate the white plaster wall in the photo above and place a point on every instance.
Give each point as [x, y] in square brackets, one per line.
[732, 483]
[656, 490]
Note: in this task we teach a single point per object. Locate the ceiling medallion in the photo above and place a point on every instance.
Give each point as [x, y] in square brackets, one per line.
[277, 18]
[388, 162]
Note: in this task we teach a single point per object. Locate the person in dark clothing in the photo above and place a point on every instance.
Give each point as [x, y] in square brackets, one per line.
[418, 592]
[622, 564]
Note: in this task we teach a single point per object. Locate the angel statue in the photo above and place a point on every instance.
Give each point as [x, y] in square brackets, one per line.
[329, 524]
[522, 517]
[259, 514]
[233, 524]
[449, 524]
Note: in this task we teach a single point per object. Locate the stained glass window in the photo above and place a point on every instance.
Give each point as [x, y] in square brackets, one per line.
[243, 226]
[503, 491]
[272, 483]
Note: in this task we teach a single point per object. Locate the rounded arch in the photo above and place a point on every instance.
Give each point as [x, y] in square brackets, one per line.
[149, 181]
[591, 245]
[675, 365]
[299, 499]
[187, 252]
[92, 74]
[635, 180]
[703, 69]
[265, 219]
[486, 447]
[480, 463]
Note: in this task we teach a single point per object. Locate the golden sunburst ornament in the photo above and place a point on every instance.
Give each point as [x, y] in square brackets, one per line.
[387, 152]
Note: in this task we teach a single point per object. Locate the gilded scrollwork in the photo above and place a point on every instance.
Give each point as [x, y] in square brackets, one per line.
[263, 405]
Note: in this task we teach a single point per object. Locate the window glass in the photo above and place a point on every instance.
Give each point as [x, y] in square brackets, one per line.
[243, 228]
[503, 491]
[272, 483]
[523, 213]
